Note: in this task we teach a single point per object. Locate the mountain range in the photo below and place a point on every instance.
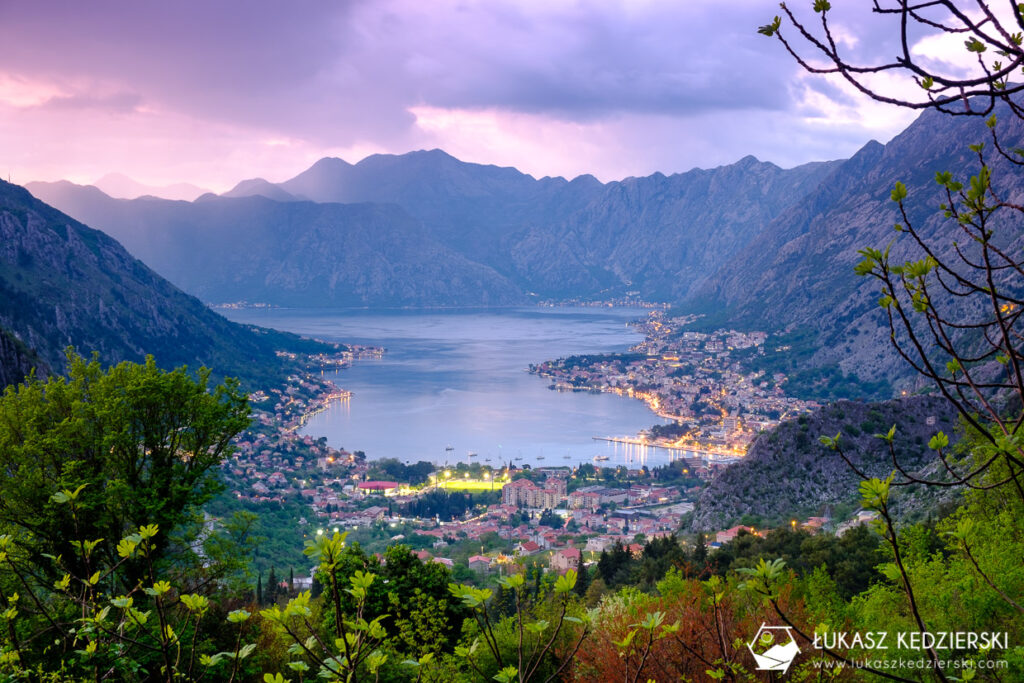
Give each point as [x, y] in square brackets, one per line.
[748, 244]
[427, 229]
[65, 284]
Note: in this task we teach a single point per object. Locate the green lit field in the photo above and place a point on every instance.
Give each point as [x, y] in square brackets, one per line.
[470, 485]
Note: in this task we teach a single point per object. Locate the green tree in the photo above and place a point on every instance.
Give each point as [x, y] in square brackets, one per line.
[142, 444]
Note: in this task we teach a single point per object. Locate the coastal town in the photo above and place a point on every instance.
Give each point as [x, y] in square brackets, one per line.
[717, 406]
[557, 517]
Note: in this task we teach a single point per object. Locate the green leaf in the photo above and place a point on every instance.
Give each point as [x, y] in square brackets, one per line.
[975, 45]
[770, 29]
[899, 192]
[158, 589]
[888, 436]
[822, 5]
[565, 583]
[238, 616]
[195, 602]
[507, 675]
[126, 547]
[938, 442]
[927, 82]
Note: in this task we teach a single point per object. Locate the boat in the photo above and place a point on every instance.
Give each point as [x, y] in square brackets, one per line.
[600, 458]
[472, 454]
[449, 448]
[540, 457]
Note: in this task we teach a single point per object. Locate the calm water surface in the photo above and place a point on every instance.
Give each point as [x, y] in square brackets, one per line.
[459, 378]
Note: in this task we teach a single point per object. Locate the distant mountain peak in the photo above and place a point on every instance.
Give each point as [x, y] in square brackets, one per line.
[262, 188]
[123, 187]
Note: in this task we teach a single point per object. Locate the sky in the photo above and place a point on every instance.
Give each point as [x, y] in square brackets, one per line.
[214, 92]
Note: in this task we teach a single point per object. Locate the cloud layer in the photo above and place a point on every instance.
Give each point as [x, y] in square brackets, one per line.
[211, 92]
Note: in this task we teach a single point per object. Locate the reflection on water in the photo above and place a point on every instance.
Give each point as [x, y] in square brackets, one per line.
[457, 378]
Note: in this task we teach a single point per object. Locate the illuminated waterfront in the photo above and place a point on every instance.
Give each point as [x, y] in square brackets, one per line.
[458, 378]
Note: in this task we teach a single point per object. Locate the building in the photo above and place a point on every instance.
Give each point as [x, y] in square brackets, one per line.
[387, 488]
[523, 492]
[527, 548]
[480, 563]
[729, 534]
[565, 559]
[516, 492]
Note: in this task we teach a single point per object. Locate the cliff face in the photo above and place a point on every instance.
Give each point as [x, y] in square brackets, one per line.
[788, 472]
[17, 360]
[799, 270]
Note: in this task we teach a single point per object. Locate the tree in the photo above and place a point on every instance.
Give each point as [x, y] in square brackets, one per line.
[992, 46]
[142, 444]
[952, 300]
[582, 578]
[521, 647]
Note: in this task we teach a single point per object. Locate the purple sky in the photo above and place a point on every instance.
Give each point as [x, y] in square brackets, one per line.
[212, 92]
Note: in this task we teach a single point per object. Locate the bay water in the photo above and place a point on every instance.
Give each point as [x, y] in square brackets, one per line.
[454, 382]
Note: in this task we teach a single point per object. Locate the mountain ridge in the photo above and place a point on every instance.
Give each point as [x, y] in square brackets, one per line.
[510, 237]
[63, 283]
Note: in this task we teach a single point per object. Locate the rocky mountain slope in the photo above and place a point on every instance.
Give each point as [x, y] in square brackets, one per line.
[63, 283]
[17, 360]
[798, 271]
[432, 230]
[290, 253]
[787, 471]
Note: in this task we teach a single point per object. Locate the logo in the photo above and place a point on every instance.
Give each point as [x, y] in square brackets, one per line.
[774, 648]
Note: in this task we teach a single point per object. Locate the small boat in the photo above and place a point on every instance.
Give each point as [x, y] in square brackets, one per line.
[472, 454]
[449, 448]
[540, 457]
[600, 458]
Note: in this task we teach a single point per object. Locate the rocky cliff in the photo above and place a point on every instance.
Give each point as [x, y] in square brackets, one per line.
[17, 360]
[788, 472]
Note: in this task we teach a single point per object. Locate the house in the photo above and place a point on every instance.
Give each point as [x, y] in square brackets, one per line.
[480, 563]
[599, 544]
[729, 534]
[527, 548]
[565, 559]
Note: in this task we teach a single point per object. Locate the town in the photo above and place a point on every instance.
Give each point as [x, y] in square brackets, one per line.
[694, 379]
[476, 518]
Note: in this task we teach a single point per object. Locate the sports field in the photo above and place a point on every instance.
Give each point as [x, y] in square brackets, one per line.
[470, 485]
